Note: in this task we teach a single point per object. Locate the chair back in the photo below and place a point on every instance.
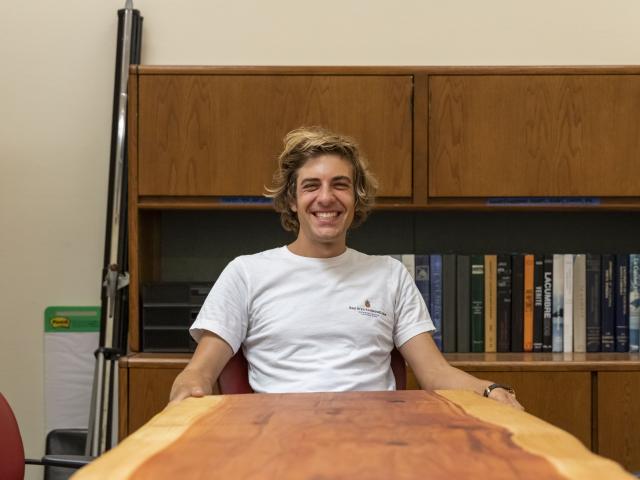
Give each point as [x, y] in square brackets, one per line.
[235, 375]
[12, 463]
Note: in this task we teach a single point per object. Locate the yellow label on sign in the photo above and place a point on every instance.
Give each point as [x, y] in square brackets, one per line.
[60, 322]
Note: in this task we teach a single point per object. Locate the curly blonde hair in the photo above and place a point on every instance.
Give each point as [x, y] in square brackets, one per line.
[309, 142]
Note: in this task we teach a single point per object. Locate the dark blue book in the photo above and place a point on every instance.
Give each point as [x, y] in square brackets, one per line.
[607, 306]
[503, 308]
[621, 289]
[463, 305]
[435, 268]
[594, 338]
[449, 333]
[422, 282]
[547, 304]
[634, 302]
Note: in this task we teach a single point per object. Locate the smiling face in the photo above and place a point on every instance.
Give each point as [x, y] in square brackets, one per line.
[325, 204]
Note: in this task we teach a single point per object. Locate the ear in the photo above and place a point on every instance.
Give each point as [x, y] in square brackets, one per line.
[293, 206]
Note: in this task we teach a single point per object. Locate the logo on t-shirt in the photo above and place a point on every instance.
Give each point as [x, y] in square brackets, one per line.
[367, 310]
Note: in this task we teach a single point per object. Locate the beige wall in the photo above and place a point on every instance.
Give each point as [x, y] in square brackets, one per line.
[56, 84]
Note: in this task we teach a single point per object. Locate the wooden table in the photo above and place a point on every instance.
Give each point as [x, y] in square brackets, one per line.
[374, 435]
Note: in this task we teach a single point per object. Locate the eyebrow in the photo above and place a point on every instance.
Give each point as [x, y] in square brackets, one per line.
[339, 178]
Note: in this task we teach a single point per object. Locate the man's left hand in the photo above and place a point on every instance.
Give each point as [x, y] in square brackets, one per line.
[504, 396]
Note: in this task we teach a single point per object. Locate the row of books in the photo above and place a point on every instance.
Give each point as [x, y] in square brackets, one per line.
[531, 303]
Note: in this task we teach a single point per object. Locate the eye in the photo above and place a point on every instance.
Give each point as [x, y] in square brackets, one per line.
[342, 186]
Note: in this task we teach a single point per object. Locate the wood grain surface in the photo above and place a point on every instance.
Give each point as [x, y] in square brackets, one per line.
[221, 134]
[378, 435]
[534, 135]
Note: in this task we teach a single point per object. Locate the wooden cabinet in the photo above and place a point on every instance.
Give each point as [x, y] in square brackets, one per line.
[444, 142]
[534, 135]
[220, 134]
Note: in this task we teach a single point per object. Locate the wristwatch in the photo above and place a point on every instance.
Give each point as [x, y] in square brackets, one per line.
[490, 388]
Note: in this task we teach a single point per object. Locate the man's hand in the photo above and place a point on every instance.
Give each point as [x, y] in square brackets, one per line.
[189, 383]
[504, 396]
[197, 379]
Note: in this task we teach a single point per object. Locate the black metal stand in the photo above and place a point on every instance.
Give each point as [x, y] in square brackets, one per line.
[103, 427]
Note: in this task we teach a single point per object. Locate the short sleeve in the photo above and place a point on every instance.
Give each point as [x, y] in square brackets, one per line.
[411, 314]
[225, 310]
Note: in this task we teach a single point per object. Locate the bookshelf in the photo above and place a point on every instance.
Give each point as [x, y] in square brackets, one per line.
[444, 142]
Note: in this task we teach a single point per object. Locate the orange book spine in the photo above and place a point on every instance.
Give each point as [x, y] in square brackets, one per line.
[528, 302]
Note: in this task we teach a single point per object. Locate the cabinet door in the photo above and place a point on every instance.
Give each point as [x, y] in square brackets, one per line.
[534, 135]
[619, 417]
[215, 135]
[148, 394]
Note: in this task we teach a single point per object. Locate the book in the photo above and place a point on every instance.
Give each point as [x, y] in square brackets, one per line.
[517, 303]
[463, 307]
[409, 261]
[423, 283]
[607, 307]
[557, 334]
[435, 269]
[538, 298]
[621, 293]
[490, 303]
[567, 310]
[579, 304]
[527, 333]
[594, 339]
[547, 304]
[503, 303]
[449, 334]
[634, 302]
[476, 296]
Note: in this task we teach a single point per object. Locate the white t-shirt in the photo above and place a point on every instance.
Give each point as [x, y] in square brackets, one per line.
[315, 324]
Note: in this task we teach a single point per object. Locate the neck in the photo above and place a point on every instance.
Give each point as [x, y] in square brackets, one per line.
[321, 250]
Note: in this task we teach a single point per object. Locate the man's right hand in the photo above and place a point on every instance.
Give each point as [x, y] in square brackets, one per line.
[187, 384]
[198, 378]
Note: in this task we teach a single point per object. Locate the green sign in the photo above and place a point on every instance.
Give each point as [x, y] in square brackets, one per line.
[71, 319]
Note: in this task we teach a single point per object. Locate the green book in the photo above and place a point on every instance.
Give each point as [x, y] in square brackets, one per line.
[477, 303]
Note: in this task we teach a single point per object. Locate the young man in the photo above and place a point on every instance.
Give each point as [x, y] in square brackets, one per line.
[316, 315]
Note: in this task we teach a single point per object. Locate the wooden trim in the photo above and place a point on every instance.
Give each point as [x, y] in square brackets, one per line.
[465, 361]
[158, 360]
[420, 139]
[388, 70]
[545, 361]
[436, 205]
[123, 396]
[134, 253]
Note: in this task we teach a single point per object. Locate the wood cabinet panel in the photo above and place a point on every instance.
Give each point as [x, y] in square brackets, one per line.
[149, 390]
[619, 417]
[534, 135]
[210, 135]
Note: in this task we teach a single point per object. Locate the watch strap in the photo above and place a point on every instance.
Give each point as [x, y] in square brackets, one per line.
[493, 386]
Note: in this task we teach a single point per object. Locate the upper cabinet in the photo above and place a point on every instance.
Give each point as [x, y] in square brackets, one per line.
[212, 133]
[534, 135]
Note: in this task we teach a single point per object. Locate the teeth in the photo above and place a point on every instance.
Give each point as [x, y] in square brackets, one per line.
[326, 214]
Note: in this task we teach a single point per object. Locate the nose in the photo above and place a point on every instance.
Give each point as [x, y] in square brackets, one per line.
[325, 194]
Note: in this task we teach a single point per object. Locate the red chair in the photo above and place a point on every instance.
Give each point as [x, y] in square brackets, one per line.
[13, 461]
[235, 375]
